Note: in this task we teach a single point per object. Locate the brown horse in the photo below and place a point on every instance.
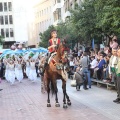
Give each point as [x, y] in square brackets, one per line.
[55, 70]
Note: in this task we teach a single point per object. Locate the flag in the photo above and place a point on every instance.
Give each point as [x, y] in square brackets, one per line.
[93, 44]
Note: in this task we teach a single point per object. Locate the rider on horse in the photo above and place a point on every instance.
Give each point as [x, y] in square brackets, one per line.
[52, 47]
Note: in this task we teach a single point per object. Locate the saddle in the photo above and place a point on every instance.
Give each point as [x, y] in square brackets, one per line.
[57, 67]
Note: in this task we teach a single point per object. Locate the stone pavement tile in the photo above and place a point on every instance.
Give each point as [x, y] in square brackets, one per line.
[24, 101]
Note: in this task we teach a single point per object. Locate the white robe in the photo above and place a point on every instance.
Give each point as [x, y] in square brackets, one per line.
[7, 72]
[11, 73]
[19, 73]
[32, 74]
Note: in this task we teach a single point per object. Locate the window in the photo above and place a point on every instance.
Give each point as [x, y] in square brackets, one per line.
[1, 7]
[6, 19]
[58, 1]
[1, 20]
[5, 6]
[59, 13]
[7, 32]
[2, 33]
[11, 32]
[9, 6]
[10, 19]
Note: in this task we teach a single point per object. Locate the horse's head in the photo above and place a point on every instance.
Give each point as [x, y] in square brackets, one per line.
[63, 51]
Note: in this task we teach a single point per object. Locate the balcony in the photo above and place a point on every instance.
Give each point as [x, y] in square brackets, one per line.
[57, 5]
[66, 14]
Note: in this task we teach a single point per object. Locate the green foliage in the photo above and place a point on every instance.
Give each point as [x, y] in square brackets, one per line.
[64, 31]
[92, 19]
[45, 36]
[95, 17]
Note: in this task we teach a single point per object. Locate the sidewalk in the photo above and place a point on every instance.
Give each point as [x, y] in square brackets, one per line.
[24, 101]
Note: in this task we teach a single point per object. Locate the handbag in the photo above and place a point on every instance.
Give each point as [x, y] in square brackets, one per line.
[73, 83]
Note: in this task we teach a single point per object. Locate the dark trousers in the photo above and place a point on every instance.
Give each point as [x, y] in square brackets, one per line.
[99, 74]
[118, 86]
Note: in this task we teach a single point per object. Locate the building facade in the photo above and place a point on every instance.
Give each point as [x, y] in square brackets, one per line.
[6, 21]
[13, 24]
[61, 9]
[51, 12]
[43, 17]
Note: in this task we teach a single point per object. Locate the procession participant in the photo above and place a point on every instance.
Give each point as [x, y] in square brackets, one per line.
[27, 67]
[7, 70]
[11, 72]
[16, 67]
[118, 78]
[112, 65]
[19, 74]
[1, 69]
[53, 43]
[32, 74]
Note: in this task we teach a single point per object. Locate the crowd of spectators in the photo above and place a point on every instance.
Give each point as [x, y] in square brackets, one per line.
[94, 62]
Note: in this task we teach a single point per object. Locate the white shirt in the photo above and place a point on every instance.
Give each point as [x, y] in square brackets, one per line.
[94, 63]
[71, 63]
[113, 61]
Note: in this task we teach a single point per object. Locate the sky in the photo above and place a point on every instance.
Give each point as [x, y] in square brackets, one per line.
[24, 8]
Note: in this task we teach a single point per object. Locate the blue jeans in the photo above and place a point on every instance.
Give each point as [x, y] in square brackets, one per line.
[105, 73]
[86, 71]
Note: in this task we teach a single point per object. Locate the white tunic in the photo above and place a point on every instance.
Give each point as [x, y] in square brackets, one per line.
[27, 68]
[19, 73]
[11, 73]
[7, 72]
[32, 74]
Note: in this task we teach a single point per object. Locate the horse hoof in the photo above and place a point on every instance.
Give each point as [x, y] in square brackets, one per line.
[57, 105]
[69, 103]
[65, 106]
[48, 105]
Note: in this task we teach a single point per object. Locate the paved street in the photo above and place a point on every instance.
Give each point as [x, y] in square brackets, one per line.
[24, 101]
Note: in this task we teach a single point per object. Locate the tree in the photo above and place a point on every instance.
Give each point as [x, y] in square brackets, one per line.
[45, 36]
[64, 31]
[84, 20]
[108, 18]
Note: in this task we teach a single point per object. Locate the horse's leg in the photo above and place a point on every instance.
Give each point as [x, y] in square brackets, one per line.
[56, 97]
[64, 94]
[68, 99]
[48, 91]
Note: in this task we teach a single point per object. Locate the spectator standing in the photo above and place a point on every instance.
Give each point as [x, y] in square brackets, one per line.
[118, 78]
[112, 66]
[113, 43]
[84, 61]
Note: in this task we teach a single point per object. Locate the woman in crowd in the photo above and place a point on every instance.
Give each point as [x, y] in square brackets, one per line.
[11, 73]
[19, 74]
[78, 76]
[27, 67]
[76, 62]
[32, 74]
[7, 70]
[113, 43]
